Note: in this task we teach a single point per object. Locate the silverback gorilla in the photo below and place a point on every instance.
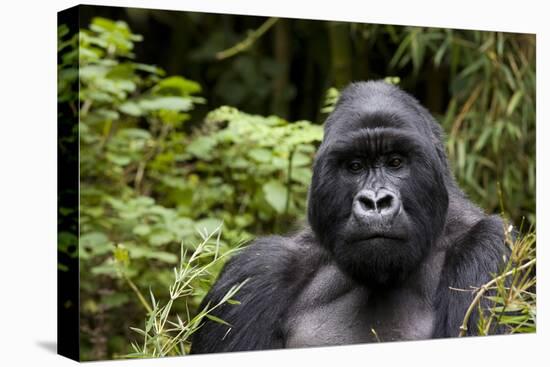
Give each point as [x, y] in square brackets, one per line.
[389, 233]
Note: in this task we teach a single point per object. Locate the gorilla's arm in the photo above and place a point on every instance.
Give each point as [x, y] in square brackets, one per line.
[470, 262]
[267, 266]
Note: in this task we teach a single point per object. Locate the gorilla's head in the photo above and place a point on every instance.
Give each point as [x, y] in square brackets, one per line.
[378, 197]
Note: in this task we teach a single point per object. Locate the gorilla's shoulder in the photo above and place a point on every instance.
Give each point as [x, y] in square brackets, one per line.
[272, 270]
[472, 260]
[482, 243]
[276, 258]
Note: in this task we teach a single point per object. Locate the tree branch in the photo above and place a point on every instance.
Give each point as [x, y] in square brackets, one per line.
[248, 41]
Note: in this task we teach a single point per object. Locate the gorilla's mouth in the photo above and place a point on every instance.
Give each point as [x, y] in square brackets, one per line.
[381, 237]
[374, 233]
[378, 236]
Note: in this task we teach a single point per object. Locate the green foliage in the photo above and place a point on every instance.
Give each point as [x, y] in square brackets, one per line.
[66, 68]
[261, 167]
[149, 181]
[166, 334]
[513, 305]
[67, 77]
[490, 118]
[491, 122]
[331, 97]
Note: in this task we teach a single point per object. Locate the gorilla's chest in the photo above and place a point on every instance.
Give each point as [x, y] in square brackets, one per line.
[332, 311]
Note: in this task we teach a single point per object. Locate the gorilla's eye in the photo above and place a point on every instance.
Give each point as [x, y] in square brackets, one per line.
[395, 162]
[355, 166]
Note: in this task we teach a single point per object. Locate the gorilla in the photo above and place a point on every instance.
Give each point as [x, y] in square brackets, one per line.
[390, 237]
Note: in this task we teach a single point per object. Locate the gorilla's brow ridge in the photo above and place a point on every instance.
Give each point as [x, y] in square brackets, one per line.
[377, 141]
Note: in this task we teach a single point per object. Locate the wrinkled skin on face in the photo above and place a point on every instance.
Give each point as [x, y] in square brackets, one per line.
[378, 198]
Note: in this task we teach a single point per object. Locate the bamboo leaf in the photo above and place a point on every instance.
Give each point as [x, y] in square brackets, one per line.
[516, 98]
[217, 319]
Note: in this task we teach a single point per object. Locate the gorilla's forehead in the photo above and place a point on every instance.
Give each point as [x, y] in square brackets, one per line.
[376, 104]
[363, 116]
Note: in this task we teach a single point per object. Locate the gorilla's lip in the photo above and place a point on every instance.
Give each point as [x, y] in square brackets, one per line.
[379, 236]
[395, 232]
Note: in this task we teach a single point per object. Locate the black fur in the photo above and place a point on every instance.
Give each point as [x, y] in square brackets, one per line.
[385, 241]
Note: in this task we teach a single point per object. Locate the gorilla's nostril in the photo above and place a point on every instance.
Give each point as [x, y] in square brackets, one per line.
[367, 203]
[384, 203]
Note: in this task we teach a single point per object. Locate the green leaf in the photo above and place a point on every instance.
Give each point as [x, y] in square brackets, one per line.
[244, 220]
[217, 319]
[202, 146]
[149, 68]
[131, 108]
[160, 237]
[121, 71]
[119, 160]
[95, 243]
[261, 155]
[480, 143]
[275, 194]
[100, 24]
[163, 256]
[167, 103]
[395, 80]
[300, 159]
[142, 230]
[473, 67]
[135, 134]
[176, 86]
[105, 269]
[92, 71]
[105, 114]
[302, 175]
[516, 98]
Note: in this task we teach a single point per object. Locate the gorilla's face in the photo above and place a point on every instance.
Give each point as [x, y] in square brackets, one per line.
[378, 197]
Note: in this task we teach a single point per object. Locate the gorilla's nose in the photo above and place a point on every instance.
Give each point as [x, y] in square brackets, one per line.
[382, 203]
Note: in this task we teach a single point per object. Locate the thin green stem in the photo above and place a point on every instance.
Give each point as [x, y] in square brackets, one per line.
[137, 292]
